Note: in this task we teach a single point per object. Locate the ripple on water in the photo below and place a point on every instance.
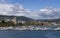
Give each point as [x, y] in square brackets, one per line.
[29, 34]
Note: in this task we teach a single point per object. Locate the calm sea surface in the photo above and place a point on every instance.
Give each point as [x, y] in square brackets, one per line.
[29, 34]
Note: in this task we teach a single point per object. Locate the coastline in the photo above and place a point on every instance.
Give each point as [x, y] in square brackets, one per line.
[31, 28]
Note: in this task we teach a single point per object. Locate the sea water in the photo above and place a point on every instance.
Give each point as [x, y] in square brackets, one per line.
[29, 34]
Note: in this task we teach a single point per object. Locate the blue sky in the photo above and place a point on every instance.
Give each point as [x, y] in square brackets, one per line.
[37, 4]
[36, 9]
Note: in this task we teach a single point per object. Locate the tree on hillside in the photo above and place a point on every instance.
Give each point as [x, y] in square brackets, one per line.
[10, 23]
[3, 23]
[20, 24]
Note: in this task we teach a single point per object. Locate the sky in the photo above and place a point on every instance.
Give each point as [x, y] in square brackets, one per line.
[36, 9]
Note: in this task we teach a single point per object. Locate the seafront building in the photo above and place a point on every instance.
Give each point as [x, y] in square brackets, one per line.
[6, 19]
[13, 19]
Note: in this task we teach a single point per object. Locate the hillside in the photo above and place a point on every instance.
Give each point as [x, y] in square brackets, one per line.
[50, 20]
[22, 18]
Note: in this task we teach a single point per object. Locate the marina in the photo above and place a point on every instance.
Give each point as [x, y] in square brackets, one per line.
[31, 28]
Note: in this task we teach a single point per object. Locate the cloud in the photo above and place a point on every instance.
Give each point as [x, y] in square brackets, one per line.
[49, 13]
[46, 11]
[5, 8]
[19, 10]
[10, 9]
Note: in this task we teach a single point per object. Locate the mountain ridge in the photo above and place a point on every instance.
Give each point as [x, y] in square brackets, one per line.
[22, 18]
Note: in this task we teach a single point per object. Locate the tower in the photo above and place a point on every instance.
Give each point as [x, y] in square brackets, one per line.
[14, 20]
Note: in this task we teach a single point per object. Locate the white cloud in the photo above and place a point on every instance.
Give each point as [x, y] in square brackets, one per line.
[46, 11]
[19, 10]
[50, 13]
[5, 8]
